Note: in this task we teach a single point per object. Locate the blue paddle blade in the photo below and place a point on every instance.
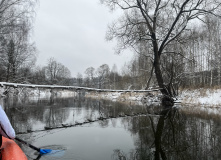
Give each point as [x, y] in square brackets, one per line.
[45, 151]
[55, 153]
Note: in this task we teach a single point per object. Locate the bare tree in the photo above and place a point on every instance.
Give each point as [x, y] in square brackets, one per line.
[57, 72]
[90, 76]
[16, 51]
[212, 45]
[39, 75]
[159, 23]
[79, 79]
[113, 75]
[103, 72]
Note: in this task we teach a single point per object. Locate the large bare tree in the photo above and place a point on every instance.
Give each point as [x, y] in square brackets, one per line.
[57, 72]
[90, 76]
[159, 23]
[16, 51]
[102, 73]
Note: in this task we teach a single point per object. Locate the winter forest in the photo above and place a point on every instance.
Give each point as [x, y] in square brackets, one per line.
[186, 32]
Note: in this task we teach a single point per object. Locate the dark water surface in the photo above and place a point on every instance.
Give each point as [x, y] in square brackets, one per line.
[85, 129]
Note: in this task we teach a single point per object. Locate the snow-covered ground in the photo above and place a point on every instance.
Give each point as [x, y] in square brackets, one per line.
[132, 97]
[116, 96]
[204, 97]
[38, 93]
[210, 97]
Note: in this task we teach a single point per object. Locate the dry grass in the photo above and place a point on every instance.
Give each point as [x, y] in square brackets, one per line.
[127, 96]
[203, 92]
[203, 111]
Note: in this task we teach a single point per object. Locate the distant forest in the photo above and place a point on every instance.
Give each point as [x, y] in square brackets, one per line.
[193, 60]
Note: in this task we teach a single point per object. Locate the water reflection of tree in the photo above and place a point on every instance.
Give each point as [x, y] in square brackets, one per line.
[173, 135]
[24, 115]
[165, 115]
[161, 134]
[53, 112]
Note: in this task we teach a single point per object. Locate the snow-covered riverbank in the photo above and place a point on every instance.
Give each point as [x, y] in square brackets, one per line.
[37, 93]
[131, 97]
[211, 97]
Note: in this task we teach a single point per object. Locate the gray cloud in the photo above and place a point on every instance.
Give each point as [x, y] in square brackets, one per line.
[73, 32]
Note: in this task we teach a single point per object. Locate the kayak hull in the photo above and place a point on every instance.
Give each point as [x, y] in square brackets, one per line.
[11, 151]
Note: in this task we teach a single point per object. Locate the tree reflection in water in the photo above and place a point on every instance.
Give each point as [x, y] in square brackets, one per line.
[173, 135]
[150, 130]
[158, 132]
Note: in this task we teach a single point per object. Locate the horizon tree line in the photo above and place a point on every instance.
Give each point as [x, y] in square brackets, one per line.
[175, 43]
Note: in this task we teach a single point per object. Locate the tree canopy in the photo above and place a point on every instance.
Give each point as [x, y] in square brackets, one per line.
[160, 24]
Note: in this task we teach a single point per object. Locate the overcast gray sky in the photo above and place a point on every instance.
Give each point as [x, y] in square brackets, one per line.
[73, 32]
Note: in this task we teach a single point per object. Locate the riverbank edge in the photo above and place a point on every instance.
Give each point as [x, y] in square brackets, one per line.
[203, 96]
[37, 93]
[210, 97]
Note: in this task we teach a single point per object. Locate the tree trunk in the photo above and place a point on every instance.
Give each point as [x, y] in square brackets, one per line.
[156, 64]
[158, 74]
[151, 75]
[8, 72]
[13, 71]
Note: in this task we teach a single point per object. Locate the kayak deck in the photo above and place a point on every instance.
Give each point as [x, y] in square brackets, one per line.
[11, 151]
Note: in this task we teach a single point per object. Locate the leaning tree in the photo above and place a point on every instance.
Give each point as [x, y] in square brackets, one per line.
[158, 23]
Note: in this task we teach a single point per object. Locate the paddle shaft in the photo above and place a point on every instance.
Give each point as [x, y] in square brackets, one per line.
[31, 146]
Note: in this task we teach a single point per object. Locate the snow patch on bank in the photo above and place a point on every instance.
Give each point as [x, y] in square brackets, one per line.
[211, 97]
[137, 97]
[201, 96]
[39, 93]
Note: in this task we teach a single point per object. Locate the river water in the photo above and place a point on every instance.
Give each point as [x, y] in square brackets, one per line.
[87, 129]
